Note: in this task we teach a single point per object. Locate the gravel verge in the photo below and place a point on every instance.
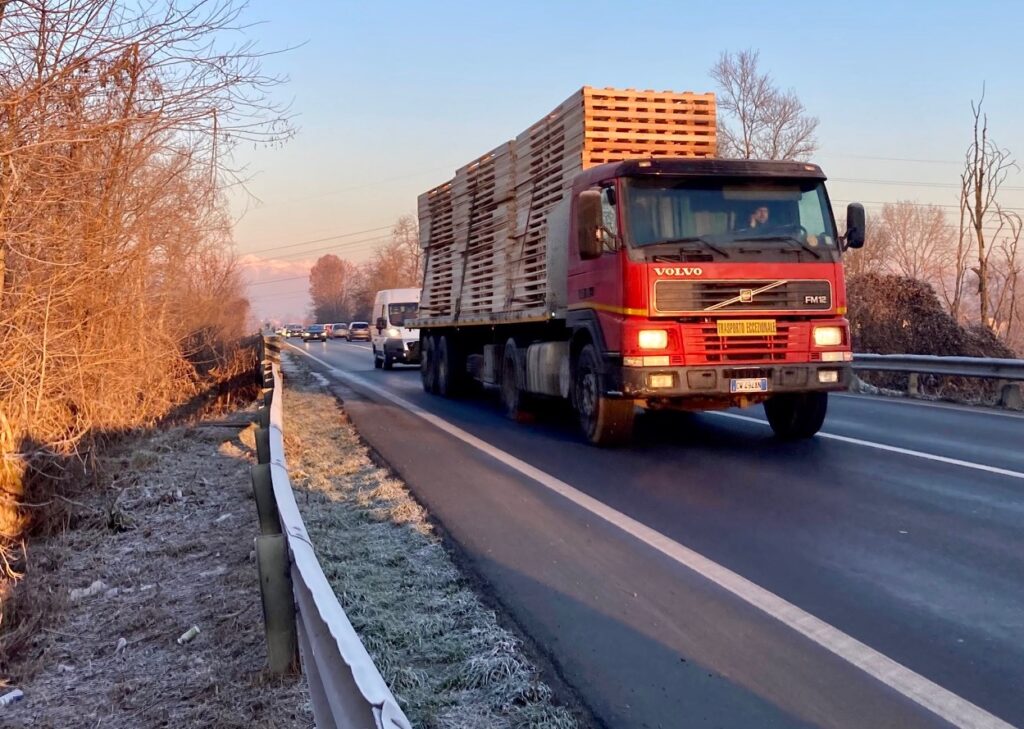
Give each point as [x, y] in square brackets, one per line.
[163, 544]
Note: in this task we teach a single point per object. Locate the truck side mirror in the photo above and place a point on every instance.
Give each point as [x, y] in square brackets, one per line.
[382, 323]
[588, 224]
[856, 223]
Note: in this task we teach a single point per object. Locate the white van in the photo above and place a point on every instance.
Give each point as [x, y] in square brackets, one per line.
[392, 340]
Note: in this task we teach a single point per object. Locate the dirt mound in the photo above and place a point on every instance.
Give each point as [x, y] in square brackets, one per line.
[896, 315]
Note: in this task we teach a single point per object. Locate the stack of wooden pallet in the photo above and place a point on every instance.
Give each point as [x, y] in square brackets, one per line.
[484, 232]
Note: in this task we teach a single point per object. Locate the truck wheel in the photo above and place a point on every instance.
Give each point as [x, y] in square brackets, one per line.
[604, 421]
[513, 399]
[428, 373]
[447, 367]
[389, 361]
[796, 415]
[376, 360]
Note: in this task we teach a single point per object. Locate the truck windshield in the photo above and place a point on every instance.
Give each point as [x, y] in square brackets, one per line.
[724, 219]
[398, 313]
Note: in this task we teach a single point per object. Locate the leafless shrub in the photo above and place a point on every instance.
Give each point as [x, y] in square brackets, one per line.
[118, 289]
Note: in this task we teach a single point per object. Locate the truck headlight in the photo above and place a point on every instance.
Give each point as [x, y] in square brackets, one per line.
[828, 336]
[652, 339]
[394, 332]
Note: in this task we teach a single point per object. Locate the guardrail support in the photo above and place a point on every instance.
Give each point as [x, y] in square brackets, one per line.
[1010, 396]
[273, 567]
[266, 506]
[262, 445]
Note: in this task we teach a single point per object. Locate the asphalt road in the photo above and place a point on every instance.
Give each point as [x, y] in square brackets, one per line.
[711, 576]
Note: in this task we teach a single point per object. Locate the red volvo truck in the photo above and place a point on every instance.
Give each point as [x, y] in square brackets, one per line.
[659, 282]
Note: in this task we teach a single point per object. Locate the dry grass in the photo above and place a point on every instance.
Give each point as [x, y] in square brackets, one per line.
[440, 650]
[169, 535]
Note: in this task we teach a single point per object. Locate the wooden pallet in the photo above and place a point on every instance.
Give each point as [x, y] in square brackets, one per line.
[484, 232]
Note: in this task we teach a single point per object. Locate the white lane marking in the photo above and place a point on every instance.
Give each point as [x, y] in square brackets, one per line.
[944, 703]
[889, 448]
[974, 410]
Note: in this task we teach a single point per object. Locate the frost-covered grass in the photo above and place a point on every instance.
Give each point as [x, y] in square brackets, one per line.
[440, 650]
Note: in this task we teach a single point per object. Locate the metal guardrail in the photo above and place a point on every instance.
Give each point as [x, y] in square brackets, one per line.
[995, 369]
[345, 686]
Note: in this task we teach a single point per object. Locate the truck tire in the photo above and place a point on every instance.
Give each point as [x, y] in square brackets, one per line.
[449, 367]
[797, 415]
[604, 421]
[388, 362]
[376, 360]
[513, 399]
[428, 372]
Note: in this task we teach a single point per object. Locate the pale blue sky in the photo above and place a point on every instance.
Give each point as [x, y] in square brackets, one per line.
[391, 97]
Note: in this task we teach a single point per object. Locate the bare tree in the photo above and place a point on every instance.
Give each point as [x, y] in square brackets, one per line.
[766, 122]
[986, 167]
[918, 240]
[119, 287]
[872, 258]
[1005, 276]
[331, 284]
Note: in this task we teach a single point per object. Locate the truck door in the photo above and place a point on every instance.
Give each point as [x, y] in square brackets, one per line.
[595, 288]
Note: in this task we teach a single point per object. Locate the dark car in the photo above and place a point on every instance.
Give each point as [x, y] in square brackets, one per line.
[359, 330]
[314, 332]
[293, 330]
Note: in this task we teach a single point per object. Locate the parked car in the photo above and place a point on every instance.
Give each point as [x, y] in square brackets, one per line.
[314, 332]
[339, 331]
[359, 330]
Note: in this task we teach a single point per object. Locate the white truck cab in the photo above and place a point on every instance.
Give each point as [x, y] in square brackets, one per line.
[392, 340]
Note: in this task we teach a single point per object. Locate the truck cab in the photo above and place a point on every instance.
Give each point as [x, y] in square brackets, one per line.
[393, 340]
[703, 284]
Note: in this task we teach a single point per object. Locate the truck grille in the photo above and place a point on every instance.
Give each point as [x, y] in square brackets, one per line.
[703, 345]
[689, 297]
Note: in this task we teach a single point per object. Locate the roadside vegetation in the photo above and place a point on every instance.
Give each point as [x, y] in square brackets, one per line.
[120, 301]
[442, 652]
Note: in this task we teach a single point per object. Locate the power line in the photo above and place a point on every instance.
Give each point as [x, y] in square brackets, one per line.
[278, 280]
[344, 247]
[319, 240]
[908, 183]
[350, 246]
[907, 202]
[895, 159]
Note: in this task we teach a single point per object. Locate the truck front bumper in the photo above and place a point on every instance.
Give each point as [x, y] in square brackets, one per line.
[651, 382]
[403, 352]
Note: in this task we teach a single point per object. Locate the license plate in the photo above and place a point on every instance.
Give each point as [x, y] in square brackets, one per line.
[746, 327]
[749, 384]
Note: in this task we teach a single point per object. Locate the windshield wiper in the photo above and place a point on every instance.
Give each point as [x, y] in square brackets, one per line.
[695, 239]
[784, 238]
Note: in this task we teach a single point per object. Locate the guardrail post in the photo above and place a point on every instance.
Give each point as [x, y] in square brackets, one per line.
[266, 506]
[1010, 396]
[262, 445]
[273, 349]
[912, 384]
[278, 603]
